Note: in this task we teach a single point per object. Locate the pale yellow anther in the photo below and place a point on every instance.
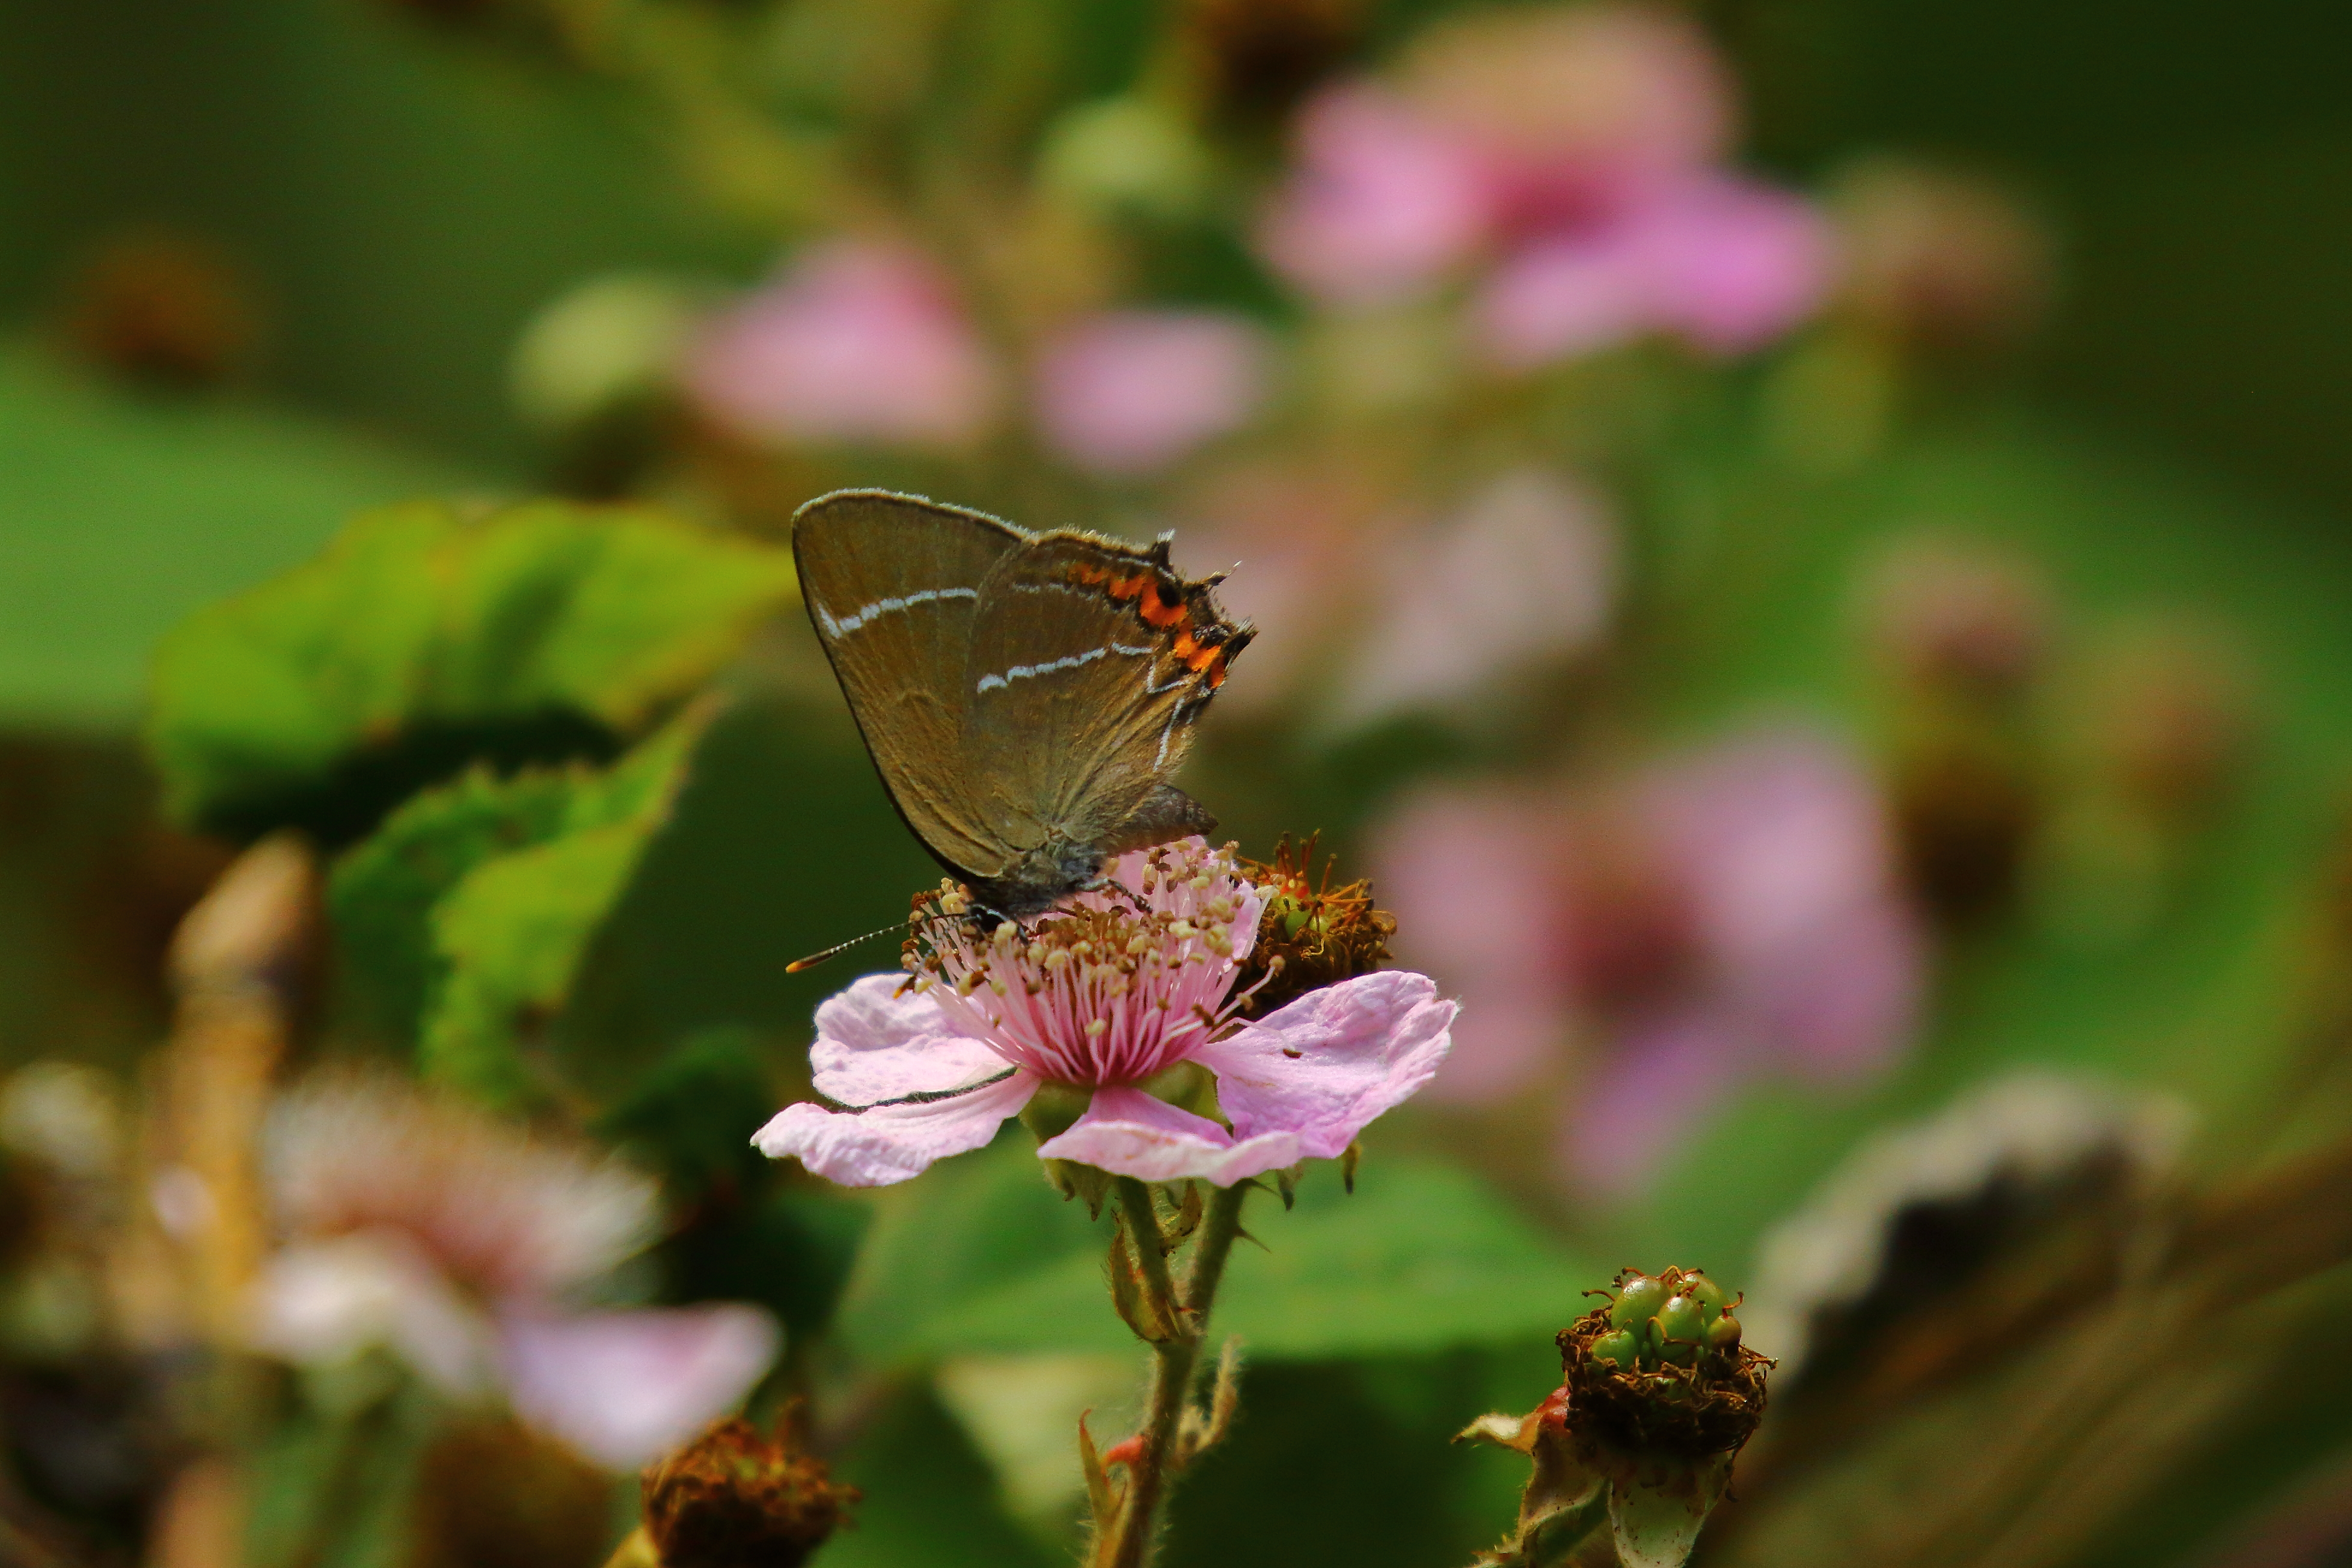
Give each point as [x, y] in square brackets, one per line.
[1098, 1027]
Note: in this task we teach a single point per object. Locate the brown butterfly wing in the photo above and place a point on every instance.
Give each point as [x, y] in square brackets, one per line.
[892, 587]
[1090, 664]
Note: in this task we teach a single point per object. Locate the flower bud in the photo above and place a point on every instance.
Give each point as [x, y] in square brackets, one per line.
[732, 1498]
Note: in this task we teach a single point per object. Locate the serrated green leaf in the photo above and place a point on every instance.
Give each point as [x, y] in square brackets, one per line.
[982, 1257]
[513, 932]
[423, 640]
[465, 919]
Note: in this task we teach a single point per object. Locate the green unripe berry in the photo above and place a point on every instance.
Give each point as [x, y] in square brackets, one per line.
[1637, 1302]
[1723, 1334]
[1618, 1346]
[1710, 1293]
[1673, 1353]
[1682, 1322]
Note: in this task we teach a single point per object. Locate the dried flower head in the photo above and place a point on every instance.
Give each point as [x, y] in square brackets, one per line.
[732, 1498]
[1662, 1371]
[163, 309]
[1657, 1397]
[1310, 934]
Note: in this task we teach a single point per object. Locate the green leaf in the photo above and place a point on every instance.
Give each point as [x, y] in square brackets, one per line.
[119, 515]
[424, 639]
[982, 1257]
[466, 918]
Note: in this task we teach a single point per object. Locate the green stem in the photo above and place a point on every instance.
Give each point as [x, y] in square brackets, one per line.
[1151, 1251]
[1128, 1541]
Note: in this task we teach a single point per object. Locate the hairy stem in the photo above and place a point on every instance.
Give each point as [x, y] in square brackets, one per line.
[1150, 1249]
[1128, 1541]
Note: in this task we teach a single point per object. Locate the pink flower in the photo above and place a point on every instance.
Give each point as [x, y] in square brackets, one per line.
[425, 1227]
[1731, 914]
[1133, 391]
[1382, 201]
[855, 342]
[1573, 153]
[1100, 997]
[1619, 92]
[1728, 265]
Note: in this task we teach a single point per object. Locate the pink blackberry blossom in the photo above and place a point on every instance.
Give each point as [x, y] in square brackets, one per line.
[1733, 915]
[1098, 996]
[1728, 265]
[1132, 391]
[1627, 91]
[855, 342]
[422, 1225]
[1381, 203]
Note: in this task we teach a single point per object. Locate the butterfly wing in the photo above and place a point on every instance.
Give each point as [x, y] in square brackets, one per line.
[892, 585]
[1090, 664]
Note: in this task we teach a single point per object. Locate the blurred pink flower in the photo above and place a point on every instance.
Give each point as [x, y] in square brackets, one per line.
[1524, 572]
[1576, 150]
[1382, 201]
[429, 1228]
[1135, 390]
[1728, 265]
[855, 342]
[1609, 93]
[1731, 914]
[1100, 996]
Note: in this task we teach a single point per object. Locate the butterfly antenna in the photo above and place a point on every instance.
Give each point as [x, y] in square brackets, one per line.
[813, 959]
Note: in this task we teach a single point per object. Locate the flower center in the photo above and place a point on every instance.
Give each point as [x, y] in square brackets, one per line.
[1110, 989]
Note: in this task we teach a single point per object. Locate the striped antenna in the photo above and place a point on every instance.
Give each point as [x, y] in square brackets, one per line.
[813, 959]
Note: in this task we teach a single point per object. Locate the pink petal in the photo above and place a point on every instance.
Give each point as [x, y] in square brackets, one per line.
[886, 1143]
[1130, 1134]
[1324, 1066]
[1736, 264]
[1135, 390]
[872, 1044]
[1382, 201]
[855, 342]
[1646, 1100]
[624, 1388]
[1567, 295]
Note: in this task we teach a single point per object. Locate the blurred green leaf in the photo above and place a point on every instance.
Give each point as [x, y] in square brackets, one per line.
[424, 639]
[1422, 1257]
[468, 916]
[692, 1115]
[119, 515]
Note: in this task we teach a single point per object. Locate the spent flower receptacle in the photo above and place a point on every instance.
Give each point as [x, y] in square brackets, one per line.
[736, 1499]
[1658, 1394]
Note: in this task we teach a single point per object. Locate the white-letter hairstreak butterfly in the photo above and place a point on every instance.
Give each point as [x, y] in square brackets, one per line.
[1024, 696]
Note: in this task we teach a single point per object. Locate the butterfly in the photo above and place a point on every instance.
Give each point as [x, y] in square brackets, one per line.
[1024, 696]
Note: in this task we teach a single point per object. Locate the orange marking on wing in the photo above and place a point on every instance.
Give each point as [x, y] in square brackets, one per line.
[1202, 657]
[1129, 587]
[1158, 612]
[1186, 646]
[1217, 671]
